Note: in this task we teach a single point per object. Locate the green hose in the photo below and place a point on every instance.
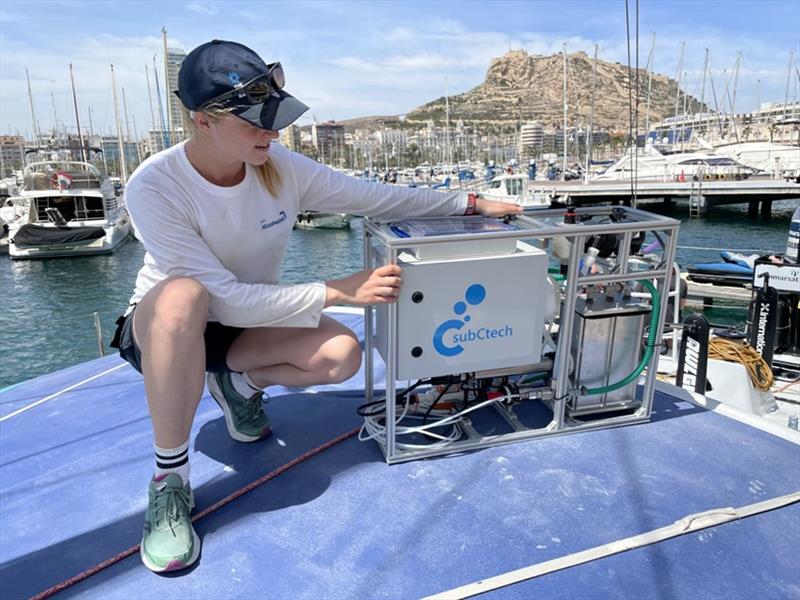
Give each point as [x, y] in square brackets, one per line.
[648, 353]
[651, 338]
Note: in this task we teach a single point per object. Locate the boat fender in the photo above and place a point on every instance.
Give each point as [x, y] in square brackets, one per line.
[762, 320]
[693, 355]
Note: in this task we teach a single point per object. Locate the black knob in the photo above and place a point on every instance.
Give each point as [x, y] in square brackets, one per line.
[417, 297]
[416, 352]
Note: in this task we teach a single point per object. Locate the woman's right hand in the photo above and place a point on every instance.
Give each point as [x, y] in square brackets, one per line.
[370, 286]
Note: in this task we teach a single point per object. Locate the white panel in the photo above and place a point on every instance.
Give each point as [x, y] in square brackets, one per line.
[468, 314]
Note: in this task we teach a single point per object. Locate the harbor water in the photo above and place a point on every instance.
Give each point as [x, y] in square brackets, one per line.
[47, 307]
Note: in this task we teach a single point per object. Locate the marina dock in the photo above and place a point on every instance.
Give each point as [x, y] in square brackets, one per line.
[705, 293]
[757, 192]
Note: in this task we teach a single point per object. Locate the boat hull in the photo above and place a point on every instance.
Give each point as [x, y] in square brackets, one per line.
[115, 236]
[316, 220]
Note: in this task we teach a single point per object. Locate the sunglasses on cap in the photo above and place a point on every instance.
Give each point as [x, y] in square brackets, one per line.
[255, 91]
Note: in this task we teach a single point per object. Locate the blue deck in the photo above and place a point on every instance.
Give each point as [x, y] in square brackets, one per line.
[74, 471]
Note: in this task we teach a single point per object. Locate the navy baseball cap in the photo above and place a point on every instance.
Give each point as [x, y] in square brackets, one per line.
[223, 71]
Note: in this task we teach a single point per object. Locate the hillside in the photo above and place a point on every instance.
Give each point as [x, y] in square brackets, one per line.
[522, 87]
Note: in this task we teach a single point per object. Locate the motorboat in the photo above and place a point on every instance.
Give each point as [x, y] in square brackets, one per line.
[661, 164]
[516, 188]
[781, 160]
[70, 209]
[311, 219]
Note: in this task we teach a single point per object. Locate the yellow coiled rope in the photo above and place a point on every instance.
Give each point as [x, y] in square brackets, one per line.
[733, 351]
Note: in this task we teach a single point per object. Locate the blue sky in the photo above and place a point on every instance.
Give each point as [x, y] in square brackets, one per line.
[348, 59]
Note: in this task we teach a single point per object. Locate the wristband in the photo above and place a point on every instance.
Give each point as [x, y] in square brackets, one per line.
[471, 200]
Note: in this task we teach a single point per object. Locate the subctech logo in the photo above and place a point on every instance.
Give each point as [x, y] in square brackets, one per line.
[449, 337]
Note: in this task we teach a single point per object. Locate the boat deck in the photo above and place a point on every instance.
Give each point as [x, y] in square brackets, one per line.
[77, 455]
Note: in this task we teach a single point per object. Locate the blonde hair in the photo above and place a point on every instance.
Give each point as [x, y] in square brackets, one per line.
[267, 173]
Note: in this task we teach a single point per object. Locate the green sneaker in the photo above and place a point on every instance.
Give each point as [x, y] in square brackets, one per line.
[244, 417]
[169, 542]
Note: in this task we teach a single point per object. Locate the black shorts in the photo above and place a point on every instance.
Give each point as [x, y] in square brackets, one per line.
[218, 339]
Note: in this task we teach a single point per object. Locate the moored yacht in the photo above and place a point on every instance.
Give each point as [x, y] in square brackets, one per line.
[781, 160]
[311, 219]
[71, 210]
[516, 188]
[651, 163]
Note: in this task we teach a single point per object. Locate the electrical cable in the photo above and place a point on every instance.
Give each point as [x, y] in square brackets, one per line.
[362, 410]
[442, 392]
[740, 352]
[377, 431]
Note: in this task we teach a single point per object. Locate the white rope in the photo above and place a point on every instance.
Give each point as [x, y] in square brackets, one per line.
[683, 526]
[58, 393]
[717, 249]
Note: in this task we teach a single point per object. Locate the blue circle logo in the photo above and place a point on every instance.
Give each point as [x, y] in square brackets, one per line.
[474, 295]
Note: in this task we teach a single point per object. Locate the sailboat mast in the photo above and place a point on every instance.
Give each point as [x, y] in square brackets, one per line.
[590, 133]
[91, 127]
[150, 97]
[167, 93]
[136, 139]
[788, 80]
[447, 124]
[735, 83]
[705, 74]
[127, 123]
[678, 73]
[703, 90]
[77, 118]
[685, 110]
[564, 162]
[55, 114]
[36, 132]
[650, 80]
[730, 106]
[91, 135]
[119, 128]
[164, 130]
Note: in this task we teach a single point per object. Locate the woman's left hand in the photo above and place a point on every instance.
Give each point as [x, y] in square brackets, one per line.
[493, 208]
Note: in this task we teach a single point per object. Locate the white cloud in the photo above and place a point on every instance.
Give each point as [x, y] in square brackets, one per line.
[204, 8]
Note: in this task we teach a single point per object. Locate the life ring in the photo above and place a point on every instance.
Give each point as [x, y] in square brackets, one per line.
[721, 176]
[707, 177]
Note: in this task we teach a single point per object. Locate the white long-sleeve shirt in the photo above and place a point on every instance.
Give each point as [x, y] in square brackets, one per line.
[233, 239]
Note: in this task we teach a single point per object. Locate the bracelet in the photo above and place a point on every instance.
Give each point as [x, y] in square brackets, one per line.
[471, 200]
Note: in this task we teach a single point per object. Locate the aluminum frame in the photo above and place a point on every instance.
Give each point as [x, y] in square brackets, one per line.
[534, 227]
